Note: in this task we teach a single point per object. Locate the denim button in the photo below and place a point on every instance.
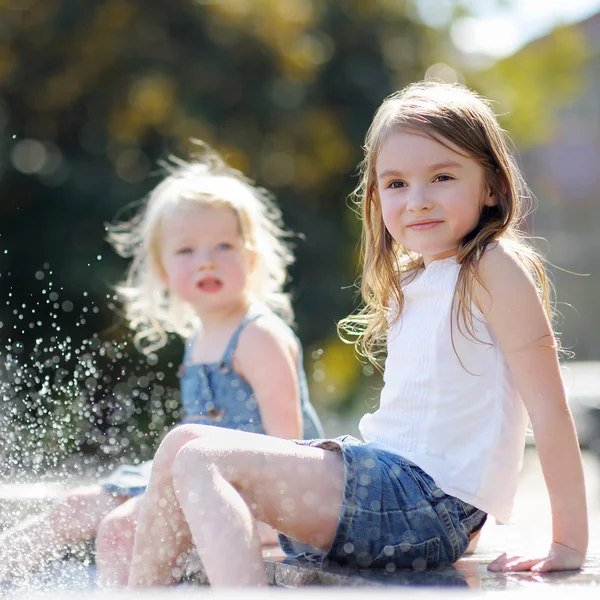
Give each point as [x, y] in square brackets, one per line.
[224, 367]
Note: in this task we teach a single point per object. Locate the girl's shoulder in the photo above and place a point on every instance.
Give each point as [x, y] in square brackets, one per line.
[501, 272]
[267, 340]
[502, 258]
[266, 334]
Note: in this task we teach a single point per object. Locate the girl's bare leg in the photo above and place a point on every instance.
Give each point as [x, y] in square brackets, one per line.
[42, 538]
[212, 485]
[114, 543]
[473, 543]
[267, 535]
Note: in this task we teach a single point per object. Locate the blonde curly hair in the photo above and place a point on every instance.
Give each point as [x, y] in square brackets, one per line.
[151, 310]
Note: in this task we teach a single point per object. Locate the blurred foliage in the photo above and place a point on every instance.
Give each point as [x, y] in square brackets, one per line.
[530, 86]
[93, 93]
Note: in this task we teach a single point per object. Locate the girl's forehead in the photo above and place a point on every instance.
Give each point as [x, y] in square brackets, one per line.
[418, 148]
[201, 218]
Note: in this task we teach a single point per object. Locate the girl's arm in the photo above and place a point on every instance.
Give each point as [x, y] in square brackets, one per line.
[265, 358]
[512, 308]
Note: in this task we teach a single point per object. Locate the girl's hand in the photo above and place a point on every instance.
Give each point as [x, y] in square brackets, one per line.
[560, 558]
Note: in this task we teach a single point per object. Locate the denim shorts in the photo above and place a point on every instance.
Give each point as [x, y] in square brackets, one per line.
[393, 515]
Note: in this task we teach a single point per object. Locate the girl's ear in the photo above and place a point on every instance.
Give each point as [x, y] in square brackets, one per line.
[490, 198]
[489, 195]
[252, 257]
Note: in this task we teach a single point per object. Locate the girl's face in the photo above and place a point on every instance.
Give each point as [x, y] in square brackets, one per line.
[204, 259]
[431, 195]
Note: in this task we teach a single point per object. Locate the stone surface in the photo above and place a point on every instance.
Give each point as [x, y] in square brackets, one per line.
[469, 572]
[293, 573]
[314, 593]
[466, 573]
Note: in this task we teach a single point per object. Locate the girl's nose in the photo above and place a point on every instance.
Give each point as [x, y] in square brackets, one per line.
[418, 200]
[204, 260]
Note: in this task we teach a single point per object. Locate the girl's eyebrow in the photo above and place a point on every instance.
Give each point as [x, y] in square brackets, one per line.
[441, 165]
[445, 164]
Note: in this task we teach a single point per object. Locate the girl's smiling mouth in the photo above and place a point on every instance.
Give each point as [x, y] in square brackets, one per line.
[423, 225]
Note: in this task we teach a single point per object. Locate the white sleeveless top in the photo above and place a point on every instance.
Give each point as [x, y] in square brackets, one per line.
[463, 424]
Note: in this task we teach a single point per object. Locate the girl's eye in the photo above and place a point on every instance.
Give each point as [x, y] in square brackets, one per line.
[185, 250]
[396, 184]
[442, 178]
[224, 246]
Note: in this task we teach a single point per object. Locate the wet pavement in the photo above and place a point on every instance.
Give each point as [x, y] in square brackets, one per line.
[529, 529]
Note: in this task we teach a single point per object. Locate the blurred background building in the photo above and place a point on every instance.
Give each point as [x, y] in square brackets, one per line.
[94, 93]
[563, 169]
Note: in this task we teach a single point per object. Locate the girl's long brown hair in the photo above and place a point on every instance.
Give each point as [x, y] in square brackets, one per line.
[445, 112]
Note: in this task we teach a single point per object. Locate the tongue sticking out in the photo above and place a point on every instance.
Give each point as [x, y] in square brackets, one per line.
[210, 285]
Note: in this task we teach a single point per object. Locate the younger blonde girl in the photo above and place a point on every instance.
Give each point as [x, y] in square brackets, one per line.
[209, 262]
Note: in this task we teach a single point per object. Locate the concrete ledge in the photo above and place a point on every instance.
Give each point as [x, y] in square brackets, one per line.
[469, 572]
[292, 573]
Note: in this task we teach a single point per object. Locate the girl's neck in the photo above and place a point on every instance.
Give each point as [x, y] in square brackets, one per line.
[428, 260]
[216, 320]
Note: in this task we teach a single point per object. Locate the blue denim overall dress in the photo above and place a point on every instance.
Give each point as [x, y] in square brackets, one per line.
[214, 394]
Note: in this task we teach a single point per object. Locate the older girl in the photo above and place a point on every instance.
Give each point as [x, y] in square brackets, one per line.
[460, 299]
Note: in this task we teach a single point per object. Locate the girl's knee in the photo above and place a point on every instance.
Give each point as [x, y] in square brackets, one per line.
[199, 457]
[191, 460]
[176, 439]
[115, 531]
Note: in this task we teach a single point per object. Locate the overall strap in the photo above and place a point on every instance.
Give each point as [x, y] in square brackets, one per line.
[226, 361]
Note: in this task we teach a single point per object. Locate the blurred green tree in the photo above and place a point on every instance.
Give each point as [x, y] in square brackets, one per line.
[93, 93]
